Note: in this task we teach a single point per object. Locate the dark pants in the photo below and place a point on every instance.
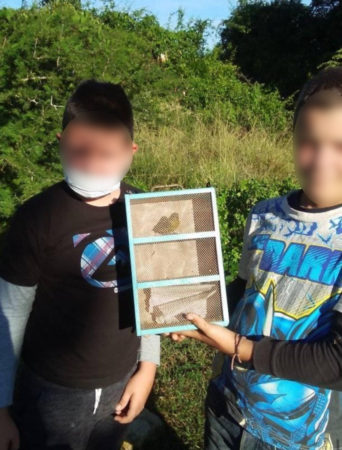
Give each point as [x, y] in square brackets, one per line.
[55, 417]
[222, 432]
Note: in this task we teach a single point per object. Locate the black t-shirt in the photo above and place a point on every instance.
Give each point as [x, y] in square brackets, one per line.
[81, 330]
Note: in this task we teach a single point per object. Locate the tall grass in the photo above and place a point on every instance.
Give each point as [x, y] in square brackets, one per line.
[190, 152]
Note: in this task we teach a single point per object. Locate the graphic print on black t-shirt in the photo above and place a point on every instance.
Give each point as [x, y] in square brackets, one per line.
[105, 251]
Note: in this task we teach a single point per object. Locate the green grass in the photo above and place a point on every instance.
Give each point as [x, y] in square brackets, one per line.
[189, 152]
[179, 393]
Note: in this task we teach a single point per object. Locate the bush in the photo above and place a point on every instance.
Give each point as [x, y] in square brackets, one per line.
[234, 205]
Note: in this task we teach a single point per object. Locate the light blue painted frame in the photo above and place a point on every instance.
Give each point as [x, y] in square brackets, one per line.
[167, 238]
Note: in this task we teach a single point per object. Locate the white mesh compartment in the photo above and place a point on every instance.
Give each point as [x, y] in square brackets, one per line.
[166, 305]
[188, 213]
[176, 259]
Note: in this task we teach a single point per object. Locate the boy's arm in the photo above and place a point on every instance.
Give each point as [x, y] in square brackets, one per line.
[139, 386]
[317, 363]
[20, 263]
[15, 306]
[150, 349]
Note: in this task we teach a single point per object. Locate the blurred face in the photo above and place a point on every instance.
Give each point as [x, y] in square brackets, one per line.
[96, 150]
[318, 153]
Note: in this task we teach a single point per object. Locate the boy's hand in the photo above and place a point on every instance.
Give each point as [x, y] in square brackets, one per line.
[9, 434]
[216, 336]
[136, 393]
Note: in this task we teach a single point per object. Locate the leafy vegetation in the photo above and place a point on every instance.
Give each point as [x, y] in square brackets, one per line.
[46, 51]
[281, 43]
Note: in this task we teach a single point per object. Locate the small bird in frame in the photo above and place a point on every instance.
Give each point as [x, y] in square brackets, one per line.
[167, 225]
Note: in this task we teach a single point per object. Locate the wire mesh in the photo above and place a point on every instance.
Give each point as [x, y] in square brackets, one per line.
[166, 305]
[168, 266]
[174, 214]
[176, 259]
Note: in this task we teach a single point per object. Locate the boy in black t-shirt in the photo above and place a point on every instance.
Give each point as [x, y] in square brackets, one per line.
[66, 307]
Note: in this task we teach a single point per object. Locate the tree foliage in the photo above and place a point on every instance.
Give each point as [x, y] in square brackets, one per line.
[283, 42]
[47, 50]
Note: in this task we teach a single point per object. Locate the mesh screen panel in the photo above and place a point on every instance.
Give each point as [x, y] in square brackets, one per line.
[176, 254]
[166, 305]
[172, 214]
[176, 259]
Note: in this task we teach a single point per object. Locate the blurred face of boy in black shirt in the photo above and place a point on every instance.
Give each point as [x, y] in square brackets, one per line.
[97, 150]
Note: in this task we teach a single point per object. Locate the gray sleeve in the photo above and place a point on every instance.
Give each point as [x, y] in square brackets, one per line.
[150, 349]
[15, 307]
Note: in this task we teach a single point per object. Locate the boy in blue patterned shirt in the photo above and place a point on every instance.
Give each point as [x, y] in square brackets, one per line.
[281, 380]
